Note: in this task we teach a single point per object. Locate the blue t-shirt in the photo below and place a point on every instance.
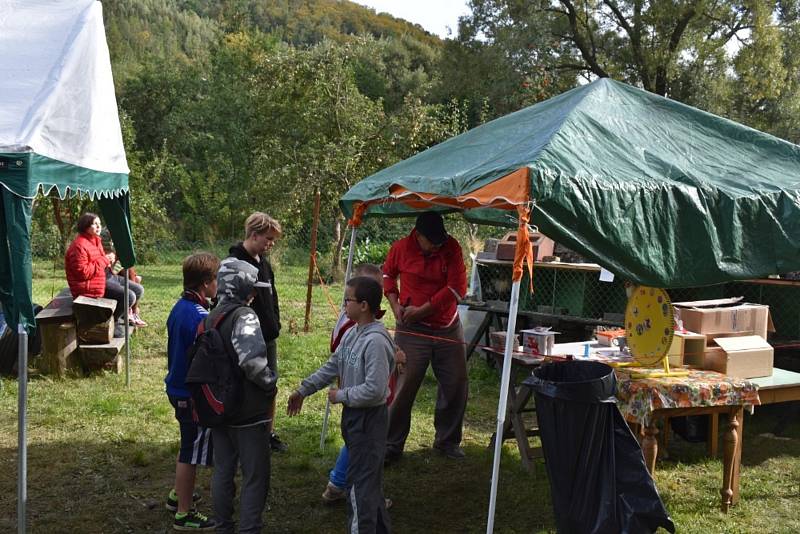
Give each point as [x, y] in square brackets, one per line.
[181, 331]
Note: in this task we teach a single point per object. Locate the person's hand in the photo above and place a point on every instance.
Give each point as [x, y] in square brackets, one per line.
[112, 258]
[400, 360]
[332, 394]
[412, 314]
[398, 311]
[295, 403]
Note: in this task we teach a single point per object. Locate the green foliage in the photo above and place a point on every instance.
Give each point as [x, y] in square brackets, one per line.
[235, 105]
[370, 252]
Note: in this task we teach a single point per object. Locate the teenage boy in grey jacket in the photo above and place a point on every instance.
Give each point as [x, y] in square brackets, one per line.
[363, 361]
[244, 442]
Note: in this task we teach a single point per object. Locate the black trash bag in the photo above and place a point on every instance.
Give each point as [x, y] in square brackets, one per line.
[598, 479]
[9, 347]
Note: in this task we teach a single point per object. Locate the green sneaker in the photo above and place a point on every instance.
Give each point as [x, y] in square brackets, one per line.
[193, 522]
[172, 500]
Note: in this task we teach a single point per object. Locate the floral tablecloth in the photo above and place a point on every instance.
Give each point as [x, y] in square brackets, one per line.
[637, 398]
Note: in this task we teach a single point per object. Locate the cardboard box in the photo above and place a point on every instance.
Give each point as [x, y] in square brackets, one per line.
[725, 316]
[743, 357]
[606, 337]
[538, 341]
[687, 348]
[542, 246]
[498, 340]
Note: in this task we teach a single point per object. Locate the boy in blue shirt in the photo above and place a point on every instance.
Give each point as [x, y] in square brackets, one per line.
[199, 284]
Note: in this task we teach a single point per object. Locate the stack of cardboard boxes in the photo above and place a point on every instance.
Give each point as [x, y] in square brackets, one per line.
[724, 335]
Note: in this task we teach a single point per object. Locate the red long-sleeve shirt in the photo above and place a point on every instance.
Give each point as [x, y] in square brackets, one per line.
[439, 278]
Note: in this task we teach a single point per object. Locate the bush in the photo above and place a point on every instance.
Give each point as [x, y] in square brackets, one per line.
[369, 252]
[46, 242]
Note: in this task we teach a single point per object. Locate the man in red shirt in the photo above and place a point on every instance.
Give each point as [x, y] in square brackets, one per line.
[430, 268]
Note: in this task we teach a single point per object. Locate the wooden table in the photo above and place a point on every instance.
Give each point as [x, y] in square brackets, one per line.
[782, 386]
[520, 401]
[496, 313]
[646, 400]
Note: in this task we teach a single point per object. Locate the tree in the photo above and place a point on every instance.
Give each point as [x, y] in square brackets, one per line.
[645, 43]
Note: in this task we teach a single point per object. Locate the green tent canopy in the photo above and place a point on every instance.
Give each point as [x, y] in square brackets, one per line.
[59, 132]
[656, 191]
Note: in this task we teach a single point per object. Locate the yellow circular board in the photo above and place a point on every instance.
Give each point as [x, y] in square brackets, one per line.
[649, 325]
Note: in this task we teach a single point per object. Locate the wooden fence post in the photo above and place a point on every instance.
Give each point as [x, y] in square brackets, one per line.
[312, 259]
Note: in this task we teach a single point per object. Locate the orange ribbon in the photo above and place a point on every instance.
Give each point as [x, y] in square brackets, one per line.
[524, 250]
[358, 215]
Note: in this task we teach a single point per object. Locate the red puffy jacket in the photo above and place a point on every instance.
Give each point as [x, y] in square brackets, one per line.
[85, 263]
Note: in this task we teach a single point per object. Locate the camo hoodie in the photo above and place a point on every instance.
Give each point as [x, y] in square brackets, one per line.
[236, 280]
[364, 360]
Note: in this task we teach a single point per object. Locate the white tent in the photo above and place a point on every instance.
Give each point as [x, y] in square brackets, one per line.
[58, 92]
[60, 133]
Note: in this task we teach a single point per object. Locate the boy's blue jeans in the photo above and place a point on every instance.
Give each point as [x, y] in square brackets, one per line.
[338, 476]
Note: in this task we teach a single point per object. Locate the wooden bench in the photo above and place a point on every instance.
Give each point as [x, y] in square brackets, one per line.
[59, 337]
[78, 336]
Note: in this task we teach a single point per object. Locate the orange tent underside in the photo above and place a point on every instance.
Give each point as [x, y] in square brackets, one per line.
[507, 193]
[511, 192]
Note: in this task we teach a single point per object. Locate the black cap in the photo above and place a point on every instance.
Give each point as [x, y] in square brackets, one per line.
[431, 225]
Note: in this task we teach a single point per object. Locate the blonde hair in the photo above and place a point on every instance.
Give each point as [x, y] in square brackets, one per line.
[260, 223]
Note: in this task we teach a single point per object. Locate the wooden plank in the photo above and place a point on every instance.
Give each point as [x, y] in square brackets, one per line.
[779, 394]
[103, 356]
[58, 310]
[93, 310]
[548, 264]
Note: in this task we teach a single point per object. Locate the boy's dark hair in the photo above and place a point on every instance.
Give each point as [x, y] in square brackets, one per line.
[85, 221]
[199, 268]
[368, 269]
[367, 290]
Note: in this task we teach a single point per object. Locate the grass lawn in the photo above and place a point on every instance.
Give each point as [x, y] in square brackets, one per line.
[101, 455]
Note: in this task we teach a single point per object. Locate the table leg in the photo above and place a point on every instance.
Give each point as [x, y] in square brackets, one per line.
[509, 419]
[482, 329]
[650, 445]
[729, 469]
[520, 433]
[737, 460]
[713, 434]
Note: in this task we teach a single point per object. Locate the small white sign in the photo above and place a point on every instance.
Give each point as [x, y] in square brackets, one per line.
[606, 276]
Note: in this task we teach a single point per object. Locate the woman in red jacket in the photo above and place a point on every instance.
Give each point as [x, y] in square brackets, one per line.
[88, 267]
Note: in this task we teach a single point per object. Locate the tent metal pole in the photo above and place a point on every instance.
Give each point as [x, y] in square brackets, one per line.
[503, 403]
[127, 331]
[22, 431]
[347, 273]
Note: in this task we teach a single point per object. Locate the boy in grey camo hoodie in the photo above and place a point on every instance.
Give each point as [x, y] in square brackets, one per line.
[245, 441]
[363, 361]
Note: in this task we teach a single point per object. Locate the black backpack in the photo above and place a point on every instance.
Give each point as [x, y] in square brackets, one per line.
[214, 379]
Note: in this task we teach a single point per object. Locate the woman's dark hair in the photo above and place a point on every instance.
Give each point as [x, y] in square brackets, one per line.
[365, 289]
[85, 221]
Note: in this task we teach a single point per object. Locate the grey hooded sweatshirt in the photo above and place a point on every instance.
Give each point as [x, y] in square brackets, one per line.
[363, 360]
[235, 282]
